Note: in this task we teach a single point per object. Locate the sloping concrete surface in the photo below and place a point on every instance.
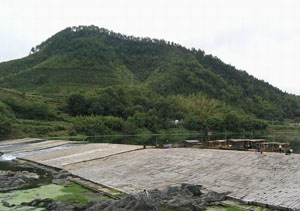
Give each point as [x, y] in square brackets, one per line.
[268, 178]
[81, 153]
[32, 146]
[18, 141]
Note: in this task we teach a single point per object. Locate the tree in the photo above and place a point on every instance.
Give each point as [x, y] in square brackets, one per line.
[77, 105]
[232, 122]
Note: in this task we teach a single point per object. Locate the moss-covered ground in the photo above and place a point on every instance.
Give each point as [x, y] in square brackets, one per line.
[236, 208]
[72, 193]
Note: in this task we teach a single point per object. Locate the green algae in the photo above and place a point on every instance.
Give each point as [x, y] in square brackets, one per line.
[17, 197]
[72, 192]
[76, 193]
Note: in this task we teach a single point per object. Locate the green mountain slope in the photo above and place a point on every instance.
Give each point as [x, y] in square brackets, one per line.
[88, 57]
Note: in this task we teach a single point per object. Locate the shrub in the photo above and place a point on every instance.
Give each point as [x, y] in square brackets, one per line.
[76, 105]
[30, 110]
[5, 126]
[5, 110]
[193, 122]
[93, 125]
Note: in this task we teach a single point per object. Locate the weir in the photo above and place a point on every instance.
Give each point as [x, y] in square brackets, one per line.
[270, 179]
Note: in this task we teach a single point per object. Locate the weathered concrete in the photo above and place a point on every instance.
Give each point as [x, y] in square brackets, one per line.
[81, 153]
[269, 178]
[18, 141]
[23, 147]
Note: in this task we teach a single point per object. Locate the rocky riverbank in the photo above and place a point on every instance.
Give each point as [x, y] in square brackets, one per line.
[10, 180]
[53, 195]
[186, 196]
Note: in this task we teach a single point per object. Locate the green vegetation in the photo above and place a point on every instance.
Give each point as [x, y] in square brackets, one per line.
[77, 194]
[72, 192]
[236, 208]
[91, 81]
[221, 208]
[129, 110]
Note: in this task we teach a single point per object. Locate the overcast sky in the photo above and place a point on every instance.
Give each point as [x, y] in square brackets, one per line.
[261, 37]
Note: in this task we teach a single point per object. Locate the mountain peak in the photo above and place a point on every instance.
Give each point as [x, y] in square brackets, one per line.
[89, 57]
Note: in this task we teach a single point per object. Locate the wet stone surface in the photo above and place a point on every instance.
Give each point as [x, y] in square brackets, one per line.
[10, 180]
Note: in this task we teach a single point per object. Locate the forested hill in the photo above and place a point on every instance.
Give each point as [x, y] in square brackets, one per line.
[88, 57]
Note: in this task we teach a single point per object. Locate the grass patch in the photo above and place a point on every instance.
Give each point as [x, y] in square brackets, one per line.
[235, 208]
[78, 194]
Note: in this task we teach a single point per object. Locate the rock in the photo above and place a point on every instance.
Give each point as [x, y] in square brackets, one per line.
[180, 202]
[62, 175]
[194, 189]
[144, 203]
[59, 206]
[6, 204]
[214, 197]
[185, 197]
[12, 180]
[126, 201]
[98, 206]
[20, 181]
[38, 202]
[171, 190]
[58, 181]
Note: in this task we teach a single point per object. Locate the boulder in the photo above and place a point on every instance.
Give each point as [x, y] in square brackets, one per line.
[59, 206]
[38, 202]
[185, 197]
[62, 175]
[144, 203]
[95, 206]
[10, 180]
[214, 197]
[6, 204]
[194, 189]
[59, 181]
